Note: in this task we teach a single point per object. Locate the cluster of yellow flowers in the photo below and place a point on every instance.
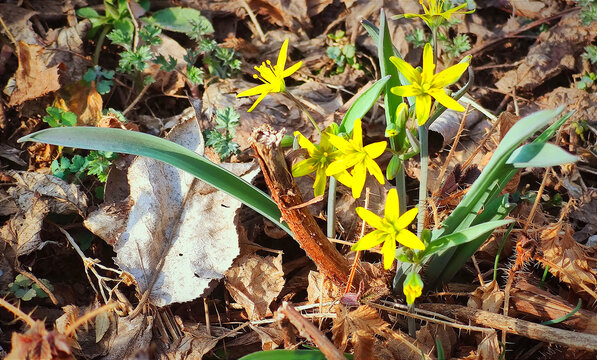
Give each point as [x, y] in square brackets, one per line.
[348, 160]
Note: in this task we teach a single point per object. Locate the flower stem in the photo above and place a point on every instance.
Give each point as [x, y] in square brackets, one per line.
[303, 109]
[423, 143]
[100, 44]
[331, 224]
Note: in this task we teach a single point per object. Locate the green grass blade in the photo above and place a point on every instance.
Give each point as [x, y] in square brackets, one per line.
[135, 143]
[540, 155]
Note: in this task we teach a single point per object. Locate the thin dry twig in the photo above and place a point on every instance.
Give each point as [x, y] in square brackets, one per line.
[308, 330]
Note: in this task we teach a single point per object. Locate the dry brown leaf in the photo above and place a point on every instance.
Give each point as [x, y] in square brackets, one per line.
[585, 213]
[555, 50]
[195, 343]
[362, 322]
[83, 100]
[291, 14]
[429, 332]
[320, 289]
[33, 77]
[488, 297]
[489, 347]
[22, 231]
[170, 82]
[39, 344]
[271, 337]
[568, 260]
[17, 22]
[68, 50]
[254, 282]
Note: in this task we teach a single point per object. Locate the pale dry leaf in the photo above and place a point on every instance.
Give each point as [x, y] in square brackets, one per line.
[169, 82]
[271, 337]
[487, 297]
[108, 221]
[197, 238]
[22, 231]
[126, 337]
[489, 348]
[33, 78]
[320, 289]
[291, 14]
[585, 213]
[67, 45]
[40, 344]
[572, 263]
[18, 23]
[254, 282]
[195, 343]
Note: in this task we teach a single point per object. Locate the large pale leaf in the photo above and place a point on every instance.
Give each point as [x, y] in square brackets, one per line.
[540, 155]
[179, 220]
[130, 142]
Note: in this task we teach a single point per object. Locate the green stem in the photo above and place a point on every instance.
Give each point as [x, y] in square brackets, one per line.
[400, 180]
[423, 143]
[412, 326]
[331, 224]
[100, 43]
[303, 109]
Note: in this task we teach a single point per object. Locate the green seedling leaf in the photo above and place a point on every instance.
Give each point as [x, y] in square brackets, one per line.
[87, 13]
[362, 105]
[135, 143]
[540, 155]
[462, 237]
[288, 355]
[185, 20]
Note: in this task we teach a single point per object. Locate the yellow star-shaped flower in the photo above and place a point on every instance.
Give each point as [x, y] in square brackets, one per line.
[389, 230]
[425, 85]
[320, 157]
[353, 153]
[433, 13]
[271, 76]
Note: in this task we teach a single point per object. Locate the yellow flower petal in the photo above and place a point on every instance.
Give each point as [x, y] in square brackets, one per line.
[376, 149]
[370, 218]
[291, 70]
[304, 167]
[445, 100]
[261, 97]
[428, 65]
[406, 218]
[449, 76]
[340, 143]
[357, 134]
[341, 165]
[423, 108]
[409, 72]
[320, 182]
[391, 211]
[259, 89]
[388, 251]
[345, 178]
[359, 175]
[410, 240]
[305, 143]
[370, 240]
[282, 56]
[375, 170]
[406, 90]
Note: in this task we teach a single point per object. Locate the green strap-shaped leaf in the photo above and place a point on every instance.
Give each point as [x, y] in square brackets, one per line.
[362, 105]
[180, 20]
[135, 143]
[540, 155]
[462, 237]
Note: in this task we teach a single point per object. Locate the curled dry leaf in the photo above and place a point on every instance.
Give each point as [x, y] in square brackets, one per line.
[431, 332]
[83, 100]
[488, 297]
[489, 347]
[181, 220]
[556, 50]
[18, 23]
[34, 78]
[254, 282]
[569, 260]
[35, 195]
[40, 344]
[291, 14]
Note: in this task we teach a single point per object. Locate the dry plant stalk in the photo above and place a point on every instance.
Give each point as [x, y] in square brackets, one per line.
[265, 141]
[515, 326]
[308, 330]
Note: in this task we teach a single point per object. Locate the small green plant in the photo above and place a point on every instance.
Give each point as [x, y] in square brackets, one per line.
[455, 47]
[342, 52]
[220, 138]
[590, 54]
[103, 78]
[25, 289]
[57, 117]
[96, 163]
[588, 12]
[587, 81]
[417, 38]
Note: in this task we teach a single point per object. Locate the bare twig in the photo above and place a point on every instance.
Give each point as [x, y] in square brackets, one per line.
[254, 20]
[265, 141]
[308, 330]
[524, 328]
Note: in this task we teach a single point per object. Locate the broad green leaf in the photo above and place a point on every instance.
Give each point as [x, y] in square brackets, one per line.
[362, 105]
[462, 237]
[87, 12]
[180, 20]
[288, 355]
[135, 143]
[540, 155]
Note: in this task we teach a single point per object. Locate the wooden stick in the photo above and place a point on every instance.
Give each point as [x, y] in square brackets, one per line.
[515, 326]
[265, 141]
[309, 331]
